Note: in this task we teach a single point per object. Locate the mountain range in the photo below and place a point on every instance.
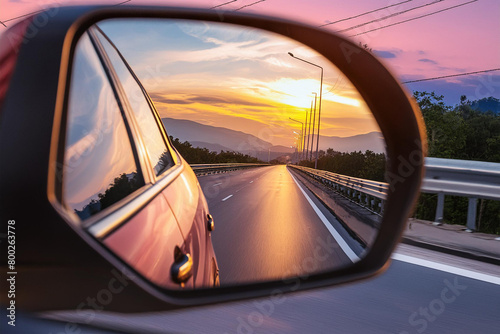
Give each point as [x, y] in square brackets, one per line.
[219, 138]
[487, 104]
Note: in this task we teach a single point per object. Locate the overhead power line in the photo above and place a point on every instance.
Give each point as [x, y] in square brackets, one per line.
[18, 17]
[253, 3]
[121, 3]
[452, 75]
[223, 4]
[391, 15]
[365, 13]
[415, 18]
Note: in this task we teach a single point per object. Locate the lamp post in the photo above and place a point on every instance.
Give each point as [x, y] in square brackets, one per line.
[306, 147]
[319, 109]
[300, 136]
[313, 124]
[308, 152]
[297, 146]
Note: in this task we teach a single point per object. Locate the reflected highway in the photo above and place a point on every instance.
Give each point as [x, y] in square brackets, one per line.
[269, 226]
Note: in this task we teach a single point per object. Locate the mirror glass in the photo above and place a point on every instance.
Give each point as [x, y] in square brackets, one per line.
[288, 160]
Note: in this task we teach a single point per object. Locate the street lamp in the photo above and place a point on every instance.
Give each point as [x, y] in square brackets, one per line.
[300, 147]
[306, 134]
[308, 127]
[319, 109]
[314, 122]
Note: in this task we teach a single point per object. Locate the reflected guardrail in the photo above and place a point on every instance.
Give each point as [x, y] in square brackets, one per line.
[205, 169]
[472, 179]
[367, 193]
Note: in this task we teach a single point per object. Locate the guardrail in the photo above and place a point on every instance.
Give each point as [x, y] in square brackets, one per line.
[369, 194]
[471, 179]
[204, 169]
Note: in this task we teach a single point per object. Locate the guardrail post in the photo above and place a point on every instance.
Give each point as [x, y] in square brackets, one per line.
[471, 214]
[439, 208]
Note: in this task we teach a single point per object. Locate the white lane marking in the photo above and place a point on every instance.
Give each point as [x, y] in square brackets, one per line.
[447, 268]
[217, 184]
[251, 181]
[228, 197]
[345, 247]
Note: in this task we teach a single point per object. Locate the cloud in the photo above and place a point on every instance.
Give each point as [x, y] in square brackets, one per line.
[159, 98]
[427, 60]
[384, 54]
[212, 100]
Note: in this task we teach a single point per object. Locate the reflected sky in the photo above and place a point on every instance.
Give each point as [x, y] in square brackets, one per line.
[236, 77]
[92, 137]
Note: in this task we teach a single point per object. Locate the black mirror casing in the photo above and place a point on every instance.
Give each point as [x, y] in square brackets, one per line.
[52, 252]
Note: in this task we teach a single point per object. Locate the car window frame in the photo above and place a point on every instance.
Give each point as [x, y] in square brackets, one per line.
[154, 185]
[103, 223]
[62, 149]
[166, 139]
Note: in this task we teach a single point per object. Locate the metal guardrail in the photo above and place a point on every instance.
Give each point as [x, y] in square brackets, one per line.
[204, 169]
[471, 179]
[369, 194]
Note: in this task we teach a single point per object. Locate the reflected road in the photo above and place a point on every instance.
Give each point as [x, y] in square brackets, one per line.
[266, 228]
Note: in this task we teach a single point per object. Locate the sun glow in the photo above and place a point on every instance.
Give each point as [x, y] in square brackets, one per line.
[244, 80]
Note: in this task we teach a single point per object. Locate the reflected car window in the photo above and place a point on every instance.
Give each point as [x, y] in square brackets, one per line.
[99, 166]
[158, 152]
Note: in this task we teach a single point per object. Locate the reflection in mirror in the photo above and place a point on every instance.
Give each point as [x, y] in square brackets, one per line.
[308, 193]
[93, 182]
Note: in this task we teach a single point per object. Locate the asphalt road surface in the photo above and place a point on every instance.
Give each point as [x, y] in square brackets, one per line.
[456, 296]
[269, 226]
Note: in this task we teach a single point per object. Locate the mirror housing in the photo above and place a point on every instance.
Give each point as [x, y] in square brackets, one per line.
[87, 263]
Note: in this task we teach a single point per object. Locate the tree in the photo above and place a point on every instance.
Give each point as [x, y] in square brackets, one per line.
[445, 127]
[460, 132]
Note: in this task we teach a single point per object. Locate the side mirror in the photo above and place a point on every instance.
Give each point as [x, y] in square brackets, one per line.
[151, 123]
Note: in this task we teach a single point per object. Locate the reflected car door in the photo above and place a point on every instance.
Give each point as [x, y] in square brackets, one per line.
[181, 192]
[104, 175]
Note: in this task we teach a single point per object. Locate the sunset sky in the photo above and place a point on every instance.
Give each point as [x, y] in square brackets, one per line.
[237, 78]
[463, 39]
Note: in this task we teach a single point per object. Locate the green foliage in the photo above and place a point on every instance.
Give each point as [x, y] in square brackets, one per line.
[489, 216]
[460, 132]
[121, 187]
[426, 208]
[368, 165]
[197, 155]
[445, 127]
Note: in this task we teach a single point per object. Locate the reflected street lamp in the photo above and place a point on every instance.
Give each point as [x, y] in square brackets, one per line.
[300, 146]
[319, 109]
[314, 122]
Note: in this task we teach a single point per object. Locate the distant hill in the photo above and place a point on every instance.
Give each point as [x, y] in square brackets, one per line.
[373, 141]
[283, 149]
[487, 104]
[219, 138]
[210, 146]
[230, 139]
